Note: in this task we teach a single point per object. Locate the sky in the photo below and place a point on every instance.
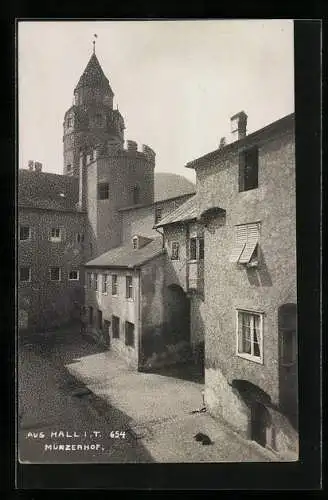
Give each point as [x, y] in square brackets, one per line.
[176, 83]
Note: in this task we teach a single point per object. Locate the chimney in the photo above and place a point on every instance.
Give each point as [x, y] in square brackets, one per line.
[223, 142]
[238, 125]
[37, 166]
[31, 165]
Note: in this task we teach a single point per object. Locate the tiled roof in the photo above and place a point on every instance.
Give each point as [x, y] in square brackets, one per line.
[93, 75]
[47, 191]
[185, 212]
[126, 257]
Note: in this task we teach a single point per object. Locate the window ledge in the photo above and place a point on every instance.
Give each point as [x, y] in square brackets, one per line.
[249, 357]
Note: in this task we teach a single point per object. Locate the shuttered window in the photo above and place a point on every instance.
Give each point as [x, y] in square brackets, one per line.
[246, 241]
[251, 243]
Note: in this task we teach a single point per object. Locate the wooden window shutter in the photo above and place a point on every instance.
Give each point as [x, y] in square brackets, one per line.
[252, 241]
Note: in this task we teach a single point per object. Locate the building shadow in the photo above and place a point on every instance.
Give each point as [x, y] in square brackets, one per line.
[183, 371]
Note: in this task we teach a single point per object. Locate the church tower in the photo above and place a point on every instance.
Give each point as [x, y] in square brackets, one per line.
[91, 120]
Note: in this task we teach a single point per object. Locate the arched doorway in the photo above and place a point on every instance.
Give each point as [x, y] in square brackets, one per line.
[287, 326]
[258, 401]
[178, 314]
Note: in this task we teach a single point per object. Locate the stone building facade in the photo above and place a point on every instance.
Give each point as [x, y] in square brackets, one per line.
[247, 206]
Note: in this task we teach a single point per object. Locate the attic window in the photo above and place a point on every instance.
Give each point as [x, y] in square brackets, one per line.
[69, 122]
[135, 242]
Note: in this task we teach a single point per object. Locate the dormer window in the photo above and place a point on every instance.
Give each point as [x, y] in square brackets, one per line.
[69, 122]
[135, 243]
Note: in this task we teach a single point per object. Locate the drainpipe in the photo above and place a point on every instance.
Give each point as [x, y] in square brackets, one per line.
[139, 319]
[162, 234]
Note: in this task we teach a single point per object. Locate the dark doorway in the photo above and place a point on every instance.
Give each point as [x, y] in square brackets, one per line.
[178, 306]
[99, 320]
[259, 423]
[288, 384]
[107, 332]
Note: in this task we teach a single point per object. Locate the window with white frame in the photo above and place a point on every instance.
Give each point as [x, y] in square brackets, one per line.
[55, 234]
[175, 250]
[24, 233]
[89, 280]
[129, 287]
[24, 274]
[104, 283]
[95, 281]
[55, 274]
[74, 275]
[114, 284]
[250, 335]
[245, 250]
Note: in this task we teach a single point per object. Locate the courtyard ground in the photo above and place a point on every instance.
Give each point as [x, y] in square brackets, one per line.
[67, 383]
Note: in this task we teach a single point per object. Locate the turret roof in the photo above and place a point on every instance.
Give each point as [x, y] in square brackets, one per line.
[93, 75]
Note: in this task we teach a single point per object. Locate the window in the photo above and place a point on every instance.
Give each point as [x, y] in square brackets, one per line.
[136, 195]
[104, 283]
[201, 248]
[55, 274]
[69, 122]
[129, 287]
[90, 315]
[196, 248]
[115, 327]
[69, 168]
[193, 249]
[135, 243]
[246, 244]
[55, 234]
[89, 278]
[158, 214]
[95, 281]
[79, 237]
[250, 335]
[24, 233]
[98, 120]
[24, 274]
[99, 319]
[114, 284]
[103, 191]
[175, 250]
[248, 169]
[129, 334]
[74, 275]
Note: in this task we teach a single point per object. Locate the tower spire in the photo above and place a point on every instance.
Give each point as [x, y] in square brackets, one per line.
[94, 42]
